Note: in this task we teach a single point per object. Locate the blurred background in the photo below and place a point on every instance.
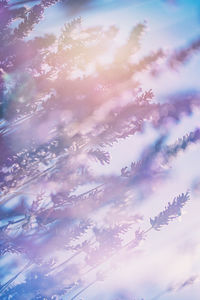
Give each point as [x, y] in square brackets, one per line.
[166, 265]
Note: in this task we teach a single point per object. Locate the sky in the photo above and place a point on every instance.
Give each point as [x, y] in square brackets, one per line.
[169, 257]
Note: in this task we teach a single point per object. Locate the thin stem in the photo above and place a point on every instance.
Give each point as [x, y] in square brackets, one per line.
[6, 285]
[69, 259]
[85, 288]
[22, 2]
[13, 222]
[65, 262]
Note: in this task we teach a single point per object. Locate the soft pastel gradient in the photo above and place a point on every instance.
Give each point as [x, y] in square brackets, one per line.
[99, 141]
